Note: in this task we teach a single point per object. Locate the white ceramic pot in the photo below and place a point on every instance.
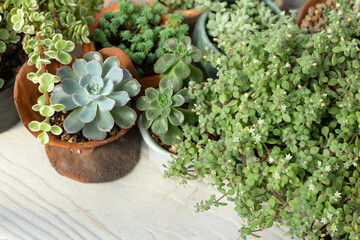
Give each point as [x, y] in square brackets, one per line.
[158, 155]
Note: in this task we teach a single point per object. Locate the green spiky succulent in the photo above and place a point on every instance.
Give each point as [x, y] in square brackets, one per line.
[175, 67]
[178, 4]
[98, 93]
[163, 112]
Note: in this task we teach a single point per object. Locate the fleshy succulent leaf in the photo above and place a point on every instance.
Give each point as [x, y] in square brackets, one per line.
[91, 131]
[115, 74]
[70, 86]
[109, 63]
[72, 124]
[94, 68]
[79, 67]
[131, 86]
[124, 116]
[160, 126]
[93, 56]
[105, 103]
[88, 112]
[104, 121]
[121, 98]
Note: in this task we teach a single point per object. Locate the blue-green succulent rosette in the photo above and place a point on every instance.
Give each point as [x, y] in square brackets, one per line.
[98, 94]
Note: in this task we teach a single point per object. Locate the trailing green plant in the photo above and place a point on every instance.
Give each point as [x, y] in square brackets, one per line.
[226, 24]
[278, 131]
[175, 67]
[51, 29]
[179, 4]
[137, 30]
[164, 112]
[7, 34]
[97, 92]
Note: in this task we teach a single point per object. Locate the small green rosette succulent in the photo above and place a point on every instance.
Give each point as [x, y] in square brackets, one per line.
[98, 93]
[175, 67]
[163, 113]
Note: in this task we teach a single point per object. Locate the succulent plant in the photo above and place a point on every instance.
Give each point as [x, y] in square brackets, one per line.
[163, 113]
[175, 67]
[178, 4]
[98, 93]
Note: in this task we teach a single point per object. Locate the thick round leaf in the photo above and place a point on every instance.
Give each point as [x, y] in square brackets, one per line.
[79, 67]
[121, 98]
[46, 111]
[104, 121]
[196, 54]
[170, 44]
[165, 62]
[107, 88]
[56, 130]
[66, 72]
[70, 87]
[108, 64]
[34, 126]
[181, 70]
[94, 68]
[88, 112]
[43, 138]
[185, 40]
[72, 124]
[171, 82]
[131, 86]
[196, 74]
[165, 112]
[93, 56]
[115, 74]
[152, 113]
[64, 57]
[80, 99]
[126, 73]
[91, 131]
[176, 117]
[85, 80]
[151, 93]
[172, 135]
[168, 92]
[124, 116]
[146, 122]
[143, 104]
[160, 126]
[178, 100]
[105, 103]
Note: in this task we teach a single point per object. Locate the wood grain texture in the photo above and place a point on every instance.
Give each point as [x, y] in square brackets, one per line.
[38, 203]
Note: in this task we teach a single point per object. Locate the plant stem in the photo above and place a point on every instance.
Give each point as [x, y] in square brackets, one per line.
[43, 70]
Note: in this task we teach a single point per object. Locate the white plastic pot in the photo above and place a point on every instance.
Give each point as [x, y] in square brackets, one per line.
[158, 155]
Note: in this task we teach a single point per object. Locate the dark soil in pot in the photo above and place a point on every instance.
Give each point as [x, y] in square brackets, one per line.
[157, 139]
[11, 61]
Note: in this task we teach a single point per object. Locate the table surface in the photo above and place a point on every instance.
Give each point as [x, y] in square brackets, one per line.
[38, 203]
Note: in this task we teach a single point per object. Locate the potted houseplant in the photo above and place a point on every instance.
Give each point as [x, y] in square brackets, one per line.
[278, 130]
[224, 22]
[48, 50]
[186, 8]
[168, 108]
[143, 41]
[11, 58]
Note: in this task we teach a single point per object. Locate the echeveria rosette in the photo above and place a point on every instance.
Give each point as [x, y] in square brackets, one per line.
[98, 93]
[163, 113]
[175, 67]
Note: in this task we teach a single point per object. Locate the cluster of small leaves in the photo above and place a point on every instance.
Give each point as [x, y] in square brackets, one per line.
[178, 4]
[138, 32]
[226, 24]
[42, 24]
[175, 67]
[7, 34]
[278, 131]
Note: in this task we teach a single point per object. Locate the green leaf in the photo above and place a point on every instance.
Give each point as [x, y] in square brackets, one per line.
[286, 117]
[269, 224]
[43, 138]
[160, 126]
[181, 70]
[348, 229]
[325, 131]
[64, 57]
[56, 130]
[34, 126]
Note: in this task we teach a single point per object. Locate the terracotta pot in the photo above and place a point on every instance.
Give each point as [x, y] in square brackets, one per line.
[83, 167]
[8, 113]
[190, 15]
[150, 81]
[305, 8]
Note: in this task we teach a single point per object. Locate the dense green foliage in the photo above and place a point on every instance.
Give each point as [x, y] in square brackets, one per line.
[226, 22]
[178, 4]
[98, 93]
[278, 131]
[51, 29]
[138, 32]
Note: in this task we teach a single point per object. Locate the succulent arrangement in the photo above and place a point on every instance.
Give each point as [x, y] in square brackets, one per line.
[175, 66]
[50, 29]
[278, 130]
[179, 4]
[98, 93]
[137, 30]
[167, 108]
[226, 24]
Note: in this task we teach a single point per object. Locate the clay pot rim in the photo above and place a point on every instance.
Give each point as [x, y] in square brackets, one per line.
[54, 141]
[185, 12]
[305, 9]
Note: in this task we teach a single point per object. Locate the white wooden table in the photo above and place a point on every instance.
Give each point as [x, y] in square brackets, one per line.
[37, 203]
